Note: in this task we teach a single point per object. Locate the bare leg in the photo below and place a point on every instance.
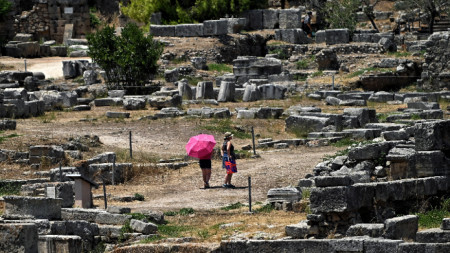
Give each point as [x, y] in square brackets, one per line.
[205, 175]
[208, 175]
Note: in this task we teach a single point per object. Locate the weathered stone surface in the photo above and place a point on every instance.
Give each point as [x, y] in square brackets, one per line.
[445, 224]
[433, 235]
[366, 229]
[432, 135]
[118, 115]
[87, 231]
[199, 63]
[404, 227]
[143, 227]
[431, 163]
[7, 124]
[60, 243]
[298, 231]
[171, 75]
[215, 27]
[369, 152]
[32, 207]
[327, 60]
[112, 219]
[185, 90]
[288, 195]
[364, 115]
[165, 101]
[395, 135]
[290, 18]
[327, 181]
[108, 101]
[293, 36]
[337, 36]
[162, 30]
[110, 231]
[134, 103]
[330, 199]
[227, 92]
[423, 247]
[305, 124]
[189, 30]
[18, 237]
[80, 214]
[118, 209]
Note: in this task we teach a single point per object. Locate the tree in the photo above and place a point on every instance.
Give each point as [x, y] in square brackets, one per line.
[432, 9]
[128, 60]
[341, 14]
[187, 11]
[5, 7]
[368, 8]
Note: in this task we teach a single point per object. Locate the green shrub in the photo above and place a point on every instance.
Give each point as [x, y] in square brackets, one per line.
[342, 14]
[139, 197]
[5, 7]
[129, 59]
[9, 188]
[94, 20]
[317, 73]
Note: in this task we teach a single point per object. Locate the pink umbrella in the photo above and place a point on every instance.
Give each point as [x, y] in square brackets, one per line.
[200, 146]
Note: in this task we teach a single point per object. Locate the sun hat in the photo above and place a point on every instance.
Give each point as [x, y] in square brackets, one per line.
[228, 135]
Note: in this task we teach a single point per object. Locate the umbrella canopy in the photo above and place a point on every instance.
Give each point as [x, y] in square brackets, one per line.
[200, 146]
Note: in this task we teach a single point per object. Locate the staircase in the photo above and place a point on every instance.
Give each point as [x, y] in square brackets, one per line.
[441, 24]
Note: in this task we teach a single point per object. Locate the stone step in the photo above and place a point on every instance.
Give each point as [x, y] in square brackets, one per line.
[434, 235]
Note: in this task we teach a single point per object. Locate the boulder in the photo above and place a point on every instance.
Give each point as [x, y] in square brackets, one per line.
[134, 103]
[327, 60]
[404, 227]
[143, 227]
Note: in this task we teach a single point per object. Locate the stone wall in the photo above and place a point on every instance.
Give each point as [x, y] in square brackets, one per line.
[47, 19]
[436, 69]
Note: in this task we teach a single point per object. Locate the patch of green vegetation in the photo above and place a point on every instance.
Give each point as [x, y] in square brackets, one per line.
[126, 228]
[79, 79]
[433, 218]
[152, 239]
[344, 142]
[94, 20]
[301, 132]
[265, 209]
[365, 70]
[305, 63]
[415, 116]
[193, 81]
[7, 188]
[173, 231]
[382, 117]
[100, 248]
[223, 126]
[243, 154]
[170, 213]
[220, 67]
[317, 73]
[203, 234]
[279, 52]
[139, 216]
[343, 152]
[236, 205]
[186, 211]
[5, 137]
[306, 193]
[179, 60]
[399, 54]
[48, 117]
[139, 197]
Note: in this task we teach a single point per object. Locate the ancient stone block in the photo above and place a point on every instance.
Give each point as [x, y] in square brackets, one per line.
[326, 181]
[60, 243]
[226, 93]
[327, 60]
[369, 152]
[143, 227]
[112, 219]
[305, 124]
[433, 235]
[189, 30]
[290, 18]
[162, 30]
[431, 163]
[366, 229]
[432, 135]
[18, 237]
[32, 207]
[134, 103]
[337, 36]
[404, 227]
[215, 27]
[330, 199]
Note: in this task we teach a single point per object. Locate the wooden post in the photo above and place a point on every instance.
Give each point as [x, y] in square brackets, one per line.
[25, 63]
[250, 194]
[104, 194]
[60, 172]
[131, 148]
[113, 170]
[253, 140]
[332, 82]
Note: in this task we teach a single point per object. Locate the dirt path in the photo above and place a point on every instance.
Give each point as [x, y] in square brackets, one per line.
[50, 66]
[176, 189]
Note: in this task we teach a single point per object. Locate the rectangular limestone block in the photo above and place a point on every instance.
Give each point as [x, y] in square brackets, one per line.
[162, 30]
[32, 207]
[18, 237]
[189, 30]
[60, 243]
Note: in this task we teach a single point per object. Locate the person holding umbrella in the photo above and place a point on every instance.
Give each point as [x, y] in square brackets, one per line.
[228, 156]
[201, 146]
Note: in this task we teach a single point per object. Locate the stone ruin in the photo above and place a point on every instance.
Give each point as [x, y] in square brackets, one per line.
[364, 199]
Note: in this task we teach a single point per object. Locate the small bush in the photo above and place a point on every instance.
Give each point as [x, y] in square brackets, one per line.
[236, 205]
[306, 193]
[139, 197]
[170, 213]
[186, 211]
[316, 74]
[9, 189]
[265, 209]
[139, 216]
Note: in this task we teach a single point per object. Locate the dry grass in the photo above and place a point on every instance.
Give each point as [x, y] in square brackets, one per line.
[205, 226]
